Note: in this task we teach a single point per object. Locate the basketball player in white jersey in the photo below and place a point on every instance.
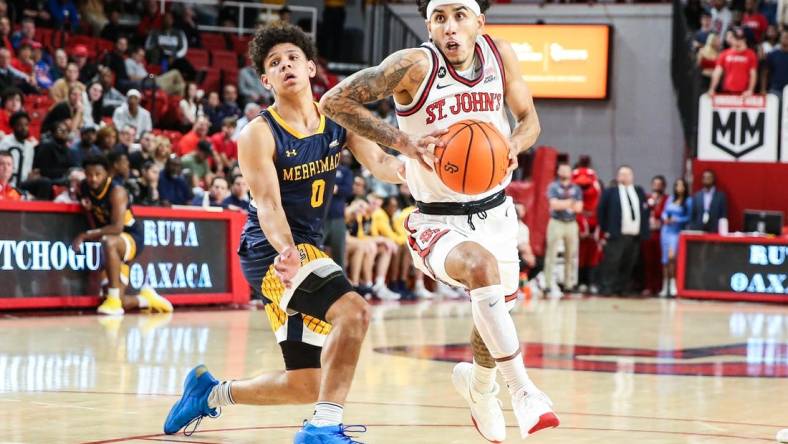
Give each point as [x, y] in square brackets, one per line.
[459, 239]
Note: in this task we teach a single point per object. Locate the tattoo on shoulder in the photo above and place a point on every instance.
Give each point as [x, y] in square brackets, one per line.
[376, 83]
[344, 104]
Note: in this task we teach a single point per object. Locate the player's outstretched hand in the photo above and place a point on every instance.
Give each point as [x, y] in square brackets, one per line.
[286, 265]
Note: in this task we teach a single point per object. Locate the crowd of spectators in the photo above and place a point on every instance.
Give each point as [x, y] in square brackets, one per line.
[740, 47]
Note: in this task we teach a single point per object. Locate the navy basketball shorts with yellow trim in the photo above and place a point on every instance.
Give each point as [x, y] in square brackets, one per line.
[298, 314]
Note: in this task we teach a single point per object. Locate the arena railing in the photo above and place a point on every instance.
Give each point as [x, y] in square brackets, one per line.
[686, 78]
[266, 13]
[387, 33]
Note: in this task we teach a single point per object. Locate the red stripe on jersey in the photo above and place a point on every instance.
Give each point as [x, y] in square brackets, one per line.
[462, 79]
[497, 58]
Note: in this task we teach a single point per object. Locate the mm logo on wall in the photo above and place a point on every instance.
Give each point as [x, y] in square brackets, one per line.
[738, 128]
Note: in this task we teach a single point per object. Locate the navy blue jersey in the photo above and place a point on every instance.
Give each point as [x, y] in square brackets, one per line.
[101, 207]
[306, 169]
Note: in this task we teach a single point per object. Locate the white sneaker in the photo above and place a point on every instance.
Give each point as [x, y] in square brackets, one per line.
[423, 293]
[385, 294]
[534, 412]
[673, 288]
[445, 291]
[555, 293]
[664, 292]
[486, 411]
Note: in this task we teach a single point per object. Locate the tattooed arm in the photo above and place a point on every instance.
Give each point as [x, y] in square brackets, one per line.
[520, 102]
[382, 165]
[399, 75]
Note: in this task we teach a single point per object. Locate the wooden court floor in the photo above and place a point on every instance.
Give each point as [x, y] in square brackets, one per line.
[619, 371]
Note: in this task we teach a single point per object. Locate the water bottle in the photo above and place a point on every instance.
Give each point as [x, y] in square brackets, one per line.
[722, 227]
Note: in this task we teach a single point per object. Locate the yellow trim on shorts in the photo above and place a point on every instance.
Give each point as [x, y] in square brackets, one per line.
[316, 325]
[276, 316]
[273, 289]
[131, 244]
[125, 271]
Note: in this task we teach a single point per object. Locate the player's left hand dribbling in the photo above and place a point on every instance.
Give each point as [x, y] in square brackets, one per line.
[286, 265]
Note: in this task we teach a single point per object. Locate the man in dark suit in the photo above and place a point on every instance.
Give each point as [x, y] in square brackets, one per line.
[623, 219]
[709, 205]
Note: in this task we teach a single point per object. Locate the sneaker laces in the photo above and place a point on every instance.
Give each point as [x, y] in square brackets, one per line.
[196, 421]
[350, 429]
[535, 396]
[493, 394]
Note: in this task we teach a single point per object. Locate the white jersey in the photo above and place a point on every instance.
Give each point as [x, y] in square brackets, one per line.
[445, 98]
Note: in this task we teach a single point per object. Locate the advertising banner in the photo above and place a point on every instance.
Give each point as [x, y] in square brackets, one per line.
[737, 128]
[738, 268]
[560, 61]
[187, 253]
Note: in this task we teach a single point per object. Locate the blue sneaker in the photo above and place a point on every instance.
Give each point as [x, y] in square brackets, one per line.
[311, 434]
[193, 405]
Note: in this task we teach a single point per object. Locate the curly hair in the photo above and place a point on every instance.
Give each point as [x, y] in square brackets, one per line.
[96, 159]
[484, 5]
[266, 37]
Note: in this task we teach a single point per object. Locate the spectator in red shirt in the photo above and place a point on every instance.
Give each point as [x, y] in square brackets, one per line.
[188, 142]
[24, 61]
[738, 64]
[150, 18]
[7, 191]
[12, 102]
[223, 143]
[754, 20]
[5, 34]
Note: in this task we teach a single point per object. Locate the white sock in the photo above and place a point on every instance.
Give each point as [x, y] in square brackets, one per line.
[221, 395]
[327, 414]
[482, 378]
[113, 293]
[515, 375]
[380, 282]
[496, 328]
[419, 285]
[142, 302]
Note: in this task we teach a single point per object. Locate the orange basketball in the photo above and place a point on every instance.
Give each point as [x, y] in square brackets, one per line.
[475, 158]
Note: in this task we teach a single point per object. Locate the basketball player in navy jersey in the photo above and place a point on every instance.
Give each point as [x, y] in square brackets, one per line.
[289, 155]
[107, 206]
[460, 74]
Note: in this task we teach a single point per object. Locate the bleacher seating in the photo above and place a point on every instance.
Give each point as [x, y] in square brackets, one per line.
[213, 41]
[199, 58]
